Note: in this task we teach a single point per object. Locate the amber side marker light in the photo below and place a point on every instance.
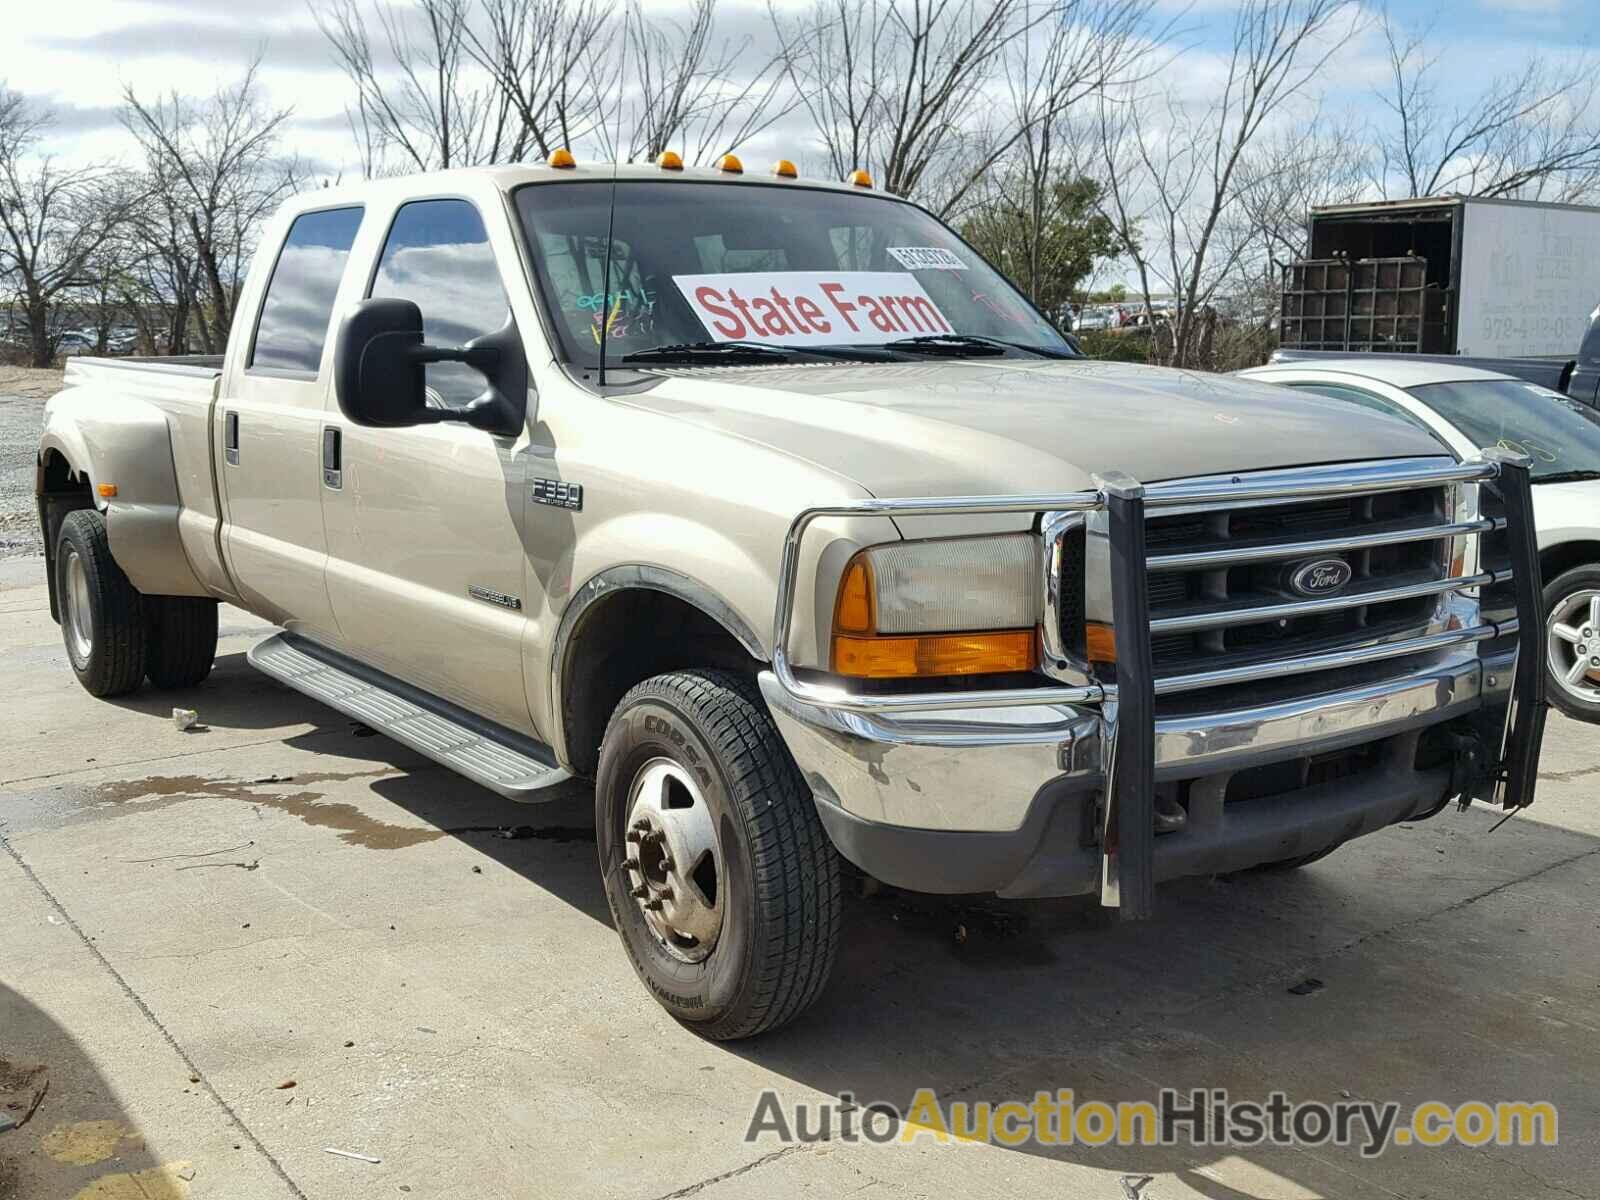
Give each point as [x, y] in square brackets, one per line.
[562, 159]
[1100, 642]
[784, 169]
[860, 178]
[669, 160]
[107, 490]
[731, 164]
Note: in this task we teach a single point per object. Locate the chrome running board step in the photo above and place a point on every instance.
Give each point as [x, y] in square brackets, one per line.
[517, 767]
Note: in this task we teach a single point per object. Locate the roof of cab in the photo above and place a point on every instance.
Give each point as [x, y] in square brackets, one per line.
[513, 175]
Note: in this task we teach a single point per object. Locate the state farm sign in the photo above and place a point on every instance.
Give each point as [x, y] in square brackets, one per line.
[812, 308]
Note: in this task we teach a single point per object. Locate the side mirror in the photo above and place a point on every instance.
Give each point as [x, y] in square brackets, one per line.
[378, 370]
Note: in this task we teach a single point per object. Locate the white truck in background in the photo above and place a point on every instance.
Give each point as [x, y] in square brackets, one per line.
[1451, 275]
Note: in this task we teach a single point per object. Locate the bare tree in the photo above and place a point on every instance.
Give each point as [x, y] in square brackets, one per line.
[545, 57]
[1175, 167]
[213, 165]
[1532, 133]
[1280, 179]
[681, 88]
[891, 85]
[421, 97]
[53, 222]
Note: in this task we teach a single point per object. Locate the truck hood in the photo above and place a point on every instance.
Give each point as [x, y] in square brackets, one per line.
[988, 427]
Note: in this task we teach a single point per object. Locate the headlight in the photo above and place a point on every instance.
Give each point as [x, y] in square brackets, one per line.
[955, 606]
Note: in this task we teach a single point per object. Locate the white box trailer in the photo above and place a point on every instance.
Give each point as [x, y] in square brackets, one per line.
[1445, 275]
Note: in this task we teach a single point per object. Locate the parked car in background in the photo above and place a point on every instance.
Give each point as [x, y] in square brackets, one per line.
[73, 343]
[1091, 319]
[1467, 409]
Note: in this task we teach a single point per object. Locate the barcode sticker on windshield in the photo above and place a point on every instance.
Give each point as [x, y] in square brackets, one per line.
[812, 308]
[926, 258]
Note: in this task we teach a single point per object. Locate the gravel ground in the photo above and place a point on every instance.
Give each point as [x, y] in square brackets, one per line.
[23, 391]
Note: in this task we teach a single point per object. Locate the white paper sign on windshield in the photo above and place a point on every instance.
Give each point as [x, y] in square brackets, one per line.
[812, 308]
[926, 258]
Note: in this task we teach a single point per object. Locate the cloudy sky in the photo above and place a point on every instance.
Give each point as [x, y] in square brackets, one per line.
[78, 55]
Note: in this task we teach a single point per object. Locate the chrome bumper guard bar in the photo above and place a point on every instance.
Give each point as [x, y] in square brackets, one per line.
[1127, 850]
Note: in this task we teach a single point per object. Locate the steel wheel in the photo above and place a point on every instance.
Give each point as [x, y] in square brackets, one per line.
[1572, 644]
[674, 865]
[80, 615]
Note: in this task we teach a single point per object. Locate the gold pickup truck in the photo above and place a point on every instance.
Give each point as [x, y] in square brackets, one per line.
[771, 507]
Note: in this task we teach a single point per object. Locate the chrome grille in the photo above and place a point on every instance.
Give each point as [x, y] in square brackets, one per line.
[1227, 620]
[1222, 597]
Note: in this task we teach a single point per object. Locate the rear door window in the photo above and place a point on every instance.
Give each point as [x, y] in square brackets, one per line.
[298, 307]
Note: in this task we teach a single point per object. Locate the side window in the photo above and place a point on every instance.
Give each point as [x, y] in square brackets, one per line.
[298, 307]
[438, 255]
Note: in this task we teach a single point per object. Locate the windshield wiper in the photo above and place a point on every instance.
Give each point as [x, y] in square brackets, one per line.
[680, 352]
[971, 345]
[750, 352]
[1568, 477]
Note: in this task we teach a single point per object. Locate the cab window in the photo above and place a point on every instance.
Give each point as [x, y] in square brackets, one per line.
[438, 256]
[298, 307]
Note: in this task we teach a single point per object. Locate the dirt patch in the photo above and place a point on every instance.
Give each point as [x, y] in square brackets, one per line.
[23, 391]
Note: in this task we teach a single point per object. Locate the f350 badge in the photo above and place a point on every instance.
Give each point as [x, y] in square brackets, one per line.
[558, 494]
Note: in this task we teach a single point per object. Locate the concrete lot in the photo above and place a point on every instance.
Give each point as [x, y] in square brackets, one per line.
[189, 921]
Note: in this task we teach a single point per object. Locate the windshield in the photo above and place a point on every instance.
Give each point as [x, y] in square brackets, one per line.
[785, 267]
[1560, 435]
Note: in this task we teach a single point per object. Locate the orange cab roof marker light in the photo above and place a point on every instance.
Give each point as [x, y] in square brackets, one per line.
[669, 160]
[860, 178]
[562, 159]
[730, 163]
[784, 169]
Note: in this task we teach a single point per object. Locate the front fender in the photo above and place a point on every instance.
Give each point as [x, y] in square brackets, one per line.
[118, 441]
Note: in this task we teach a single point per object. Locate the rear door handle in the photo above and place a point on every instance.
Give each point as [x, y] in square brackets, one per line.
[230, 443]
[332, 457]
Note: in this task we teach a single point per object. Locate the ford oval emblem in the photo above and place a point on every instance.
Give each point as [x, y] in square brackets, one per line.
[1320, 578]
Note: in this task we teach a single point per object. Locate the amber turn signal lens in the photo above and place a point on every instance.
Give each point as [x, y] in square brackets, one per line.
[934, 654]
[107, 490]
[1100, 642]
[853, 613]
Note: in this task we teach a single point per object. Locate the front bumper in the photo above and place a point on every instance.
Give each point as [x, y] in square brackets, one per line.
[1057, 789]
[1006, 799]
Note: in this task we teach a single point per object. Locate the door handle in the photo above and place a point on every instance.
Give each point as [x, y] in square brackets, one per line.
[332, 457]
[230, 442]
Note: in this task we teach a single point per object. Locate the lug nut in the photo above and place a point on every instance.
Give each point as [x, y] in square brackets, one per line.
[666, 864]
[639, 893]
[666, 894]
[653, 905]
[631, 864]
[635, 836]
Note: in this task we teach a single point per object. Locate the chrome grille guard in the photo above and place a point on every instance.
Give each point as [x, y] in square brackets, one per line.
[1127, 849]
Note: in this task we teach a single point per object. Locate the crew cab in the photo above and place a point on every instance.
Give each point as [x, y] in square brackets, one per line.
[771, 507]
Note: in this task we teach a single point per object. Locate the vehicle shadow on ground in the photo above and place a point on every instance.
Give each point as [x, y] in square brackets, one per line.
[234, 696]
[79, 1137]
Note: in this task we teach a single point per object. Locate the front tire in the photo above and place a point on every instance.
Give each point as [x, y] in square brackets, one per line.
[102, 614]
[721, 881]
[1572, 641]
